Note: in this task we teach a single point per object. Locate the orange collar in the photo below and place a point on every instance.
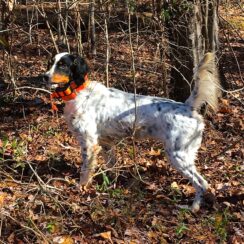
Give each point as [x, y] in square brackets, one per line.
[70, 92]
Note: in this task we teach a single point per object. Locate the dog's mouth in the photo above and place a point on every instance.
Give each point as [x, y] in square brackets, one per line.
[58, 80]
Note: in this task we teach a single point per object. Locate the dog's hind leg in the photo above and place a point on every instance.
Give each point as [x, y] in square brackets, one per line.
[184, 163]
[181, 152]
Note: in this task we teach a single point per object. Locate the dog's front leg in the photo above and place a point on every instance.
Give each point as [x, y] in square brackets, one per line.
[90, 150]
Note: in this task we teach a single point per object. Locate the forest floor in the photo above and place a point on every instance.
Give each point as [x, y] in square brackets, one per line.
[40, 160]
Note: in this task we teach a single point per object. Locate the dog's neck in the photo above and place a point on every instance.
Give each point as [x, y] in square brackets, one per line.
[69, 92]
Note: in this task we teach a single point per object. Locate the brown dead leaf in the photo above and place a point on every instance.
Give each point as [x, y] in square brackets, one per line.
[32, 215]
[236, 239]
[200, 237]
[2, 198]
[8, 184]
[131, 231]
[106, 235]
[188, 189]
[152, 187]
[152, 234]
[26, 137]
[225, 110]
[40, 158]
[11, 238]
[70, 180]
[235, 183]
[63, 240]
[225, 102]
[154, 152]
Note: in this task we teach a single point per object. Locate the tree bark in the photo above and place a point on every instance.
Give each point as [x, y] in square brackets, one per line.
[5, 20]
[204, 25]
[92, 28]
[193, 33]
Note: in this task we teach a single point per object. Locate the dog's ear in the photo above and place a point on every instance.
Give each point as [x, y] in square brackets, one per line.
[79, 68]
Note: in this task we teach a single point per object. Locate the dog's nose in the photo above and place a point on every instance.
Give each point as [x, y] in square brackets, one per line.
[45, 78]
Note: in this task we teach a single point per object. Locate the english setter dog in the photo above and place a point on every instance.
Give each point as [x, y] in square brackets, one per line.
[101, 116]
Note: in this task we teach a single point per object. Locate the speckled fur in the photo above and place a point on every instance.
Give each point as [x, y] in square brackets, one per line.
[101, 116]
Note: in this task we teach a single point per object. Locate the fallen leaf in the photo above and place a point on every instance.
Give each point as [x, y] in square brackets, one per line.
[2, 198]
[225, 110]
[11, 238]
[154, 152]
[63, 240]
[188, 189]
[225, 102]
[152, 234]
[106, 235]
[70, 180]
[174, 185]
[152, 187]
[40, 158]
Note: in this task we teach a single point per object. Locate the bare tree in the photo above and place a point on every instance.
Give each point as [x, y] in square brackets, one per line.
[92, 28]
[194, 31]
[204, 27]
[5, 19]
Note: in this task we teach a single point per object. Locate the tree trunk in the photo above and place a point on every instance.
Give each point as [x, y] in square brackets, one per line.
[204, 25]
[194, 31]
[92, 28]
[5, 20]
[180, 53]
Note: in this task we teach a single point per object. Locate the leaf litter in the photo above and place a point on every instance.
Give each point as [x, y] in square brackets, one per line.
[39, 169]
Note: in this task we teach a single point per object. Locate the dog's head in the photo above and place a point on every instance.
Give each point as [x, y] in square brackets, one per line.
[65, 68]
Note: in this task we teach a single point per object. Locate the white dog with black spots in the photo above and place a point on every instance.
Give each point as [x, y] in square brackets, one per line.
[100, 116]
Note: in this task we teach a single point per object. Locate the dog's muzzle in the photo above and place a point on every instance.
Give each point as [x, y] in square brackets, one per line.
[48, 83]
[45, 78]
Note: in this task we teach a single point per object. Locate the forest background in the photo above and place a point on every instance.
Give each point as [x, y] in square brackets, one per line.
[147, 46]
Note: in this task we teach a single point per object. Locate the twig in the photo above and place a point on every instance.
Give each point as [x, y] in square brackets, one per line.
[134, 80]
[184, 78]
[226, 149]
[42, 184]
[44, 15]
[134, 84]
[37, 232]
[107, 50]
[64, 24]
[33, 88]
[92, 28]
[78, 31]
[237, 63]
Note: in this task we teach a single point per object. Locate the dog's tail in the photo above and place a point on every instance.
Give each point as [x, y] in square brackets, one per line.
[207, 85]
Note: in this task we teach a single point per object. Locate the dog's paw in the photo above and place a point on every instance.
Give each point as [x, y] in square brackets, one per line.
[84, 181]
[82, 188]
[85, 178]
[195, 207]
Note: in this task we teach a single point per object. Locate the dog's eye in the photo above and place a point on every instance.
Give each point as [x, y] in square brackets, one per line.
[62, 64]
